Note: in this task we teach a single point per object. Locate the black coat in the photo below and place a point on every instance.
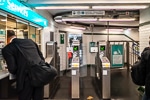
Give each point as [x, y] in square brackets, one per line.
[145, 60]
[16, 62]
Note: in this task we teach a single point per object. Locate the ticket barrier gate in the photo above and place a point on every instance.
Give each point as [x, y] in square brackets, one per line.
[102, 77]
[52, 57]
[75, 75]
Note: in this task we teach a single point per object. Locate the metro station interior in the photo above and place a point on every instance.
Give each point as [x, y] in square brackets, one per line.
[104, 38]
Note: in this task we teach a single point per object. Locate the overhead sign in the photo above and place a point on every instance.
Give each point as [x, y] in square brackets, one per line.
[88, 12]
[16, 8]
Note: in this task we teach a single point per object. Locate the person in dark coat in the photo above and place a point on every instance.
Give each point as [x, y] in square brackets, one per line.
[16, 64]
[145, 61]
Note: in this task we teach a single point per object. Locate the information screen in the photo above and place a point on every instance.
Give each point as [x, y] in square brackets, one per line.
[102, 48]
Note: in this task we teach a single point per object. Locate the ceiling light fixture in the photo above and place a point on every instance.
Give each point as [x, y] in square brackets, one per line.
[133, 7]
[3, 20]
[127, 7]
[77, 27]
[80, 19]
[119, 19]
[64, 7]
[115, 30]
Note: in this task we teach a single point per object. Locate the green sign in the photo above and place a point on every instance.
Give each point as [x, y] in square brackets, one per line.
[61, 38]
[117, 56]
[102, 48]
[75, 48]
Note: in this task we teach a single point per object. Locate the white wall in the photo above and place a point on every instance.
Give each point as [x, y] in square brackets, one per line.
[45, 33]
[144, 15]
[144, 29]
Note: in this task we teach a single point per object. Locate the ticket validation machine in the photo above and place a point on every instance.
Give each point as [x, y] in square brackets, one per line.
[75, 93]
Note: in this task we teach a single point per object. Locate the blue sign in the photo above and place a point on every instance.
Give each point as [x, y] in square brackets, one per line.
[18, 9]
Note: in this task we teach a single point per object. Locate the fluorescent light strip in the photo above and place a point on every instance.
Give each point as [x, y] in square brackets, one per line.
[79, 19]
[119, 7]
[115, 30]
[121, 19]
[94, 7]
[79, 28]
[3, 20]
[90, 2]
[63, 7]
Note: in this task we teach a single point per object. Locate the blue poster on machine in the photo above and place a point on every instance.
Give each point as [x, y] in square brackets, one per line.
[117, 56]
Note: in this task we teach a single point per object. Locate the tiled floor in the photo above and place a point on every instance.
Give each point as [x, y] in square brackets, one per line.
[122, 87]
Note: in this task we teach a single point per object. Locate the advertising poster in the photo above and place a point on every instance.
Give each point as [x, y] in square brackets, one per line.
[117, 56]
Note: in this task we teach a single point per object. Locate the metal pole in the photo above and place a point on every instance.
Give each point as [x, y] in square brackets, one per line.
[107, 30]
[91, 27]
[107, 51]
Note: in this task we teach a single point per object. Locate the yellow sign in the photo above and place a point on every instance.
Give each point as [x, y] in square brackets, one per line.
[75, 64]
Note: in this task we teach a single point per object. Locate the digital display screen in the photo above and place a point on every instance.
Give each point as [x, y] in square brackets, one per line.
[102, 48]
[75, 48]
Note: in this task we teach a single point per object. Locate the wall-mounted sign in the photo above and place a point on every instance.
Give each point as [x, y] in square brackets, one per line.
[16, 8]
[91, 47]
[61, 38]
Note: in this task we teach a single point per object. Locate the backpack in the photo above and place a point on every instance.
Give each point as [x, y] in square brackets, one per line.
[39, 74]
[137, 74]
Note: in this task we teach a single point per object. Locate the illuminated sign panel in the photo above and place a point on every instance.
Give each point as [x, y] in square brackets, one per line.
[75, 48]
[102, 48]
[18, 9]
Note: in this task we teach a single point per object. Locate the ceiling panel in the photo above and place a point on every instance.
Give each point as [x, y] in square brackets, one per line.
[91, 3]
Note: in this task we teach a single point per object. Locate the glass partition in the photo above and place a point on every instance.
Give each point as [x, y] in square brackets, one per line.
[3, 19]
[11, 25]
[32, 33]
[38, 37]
[22, 29]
